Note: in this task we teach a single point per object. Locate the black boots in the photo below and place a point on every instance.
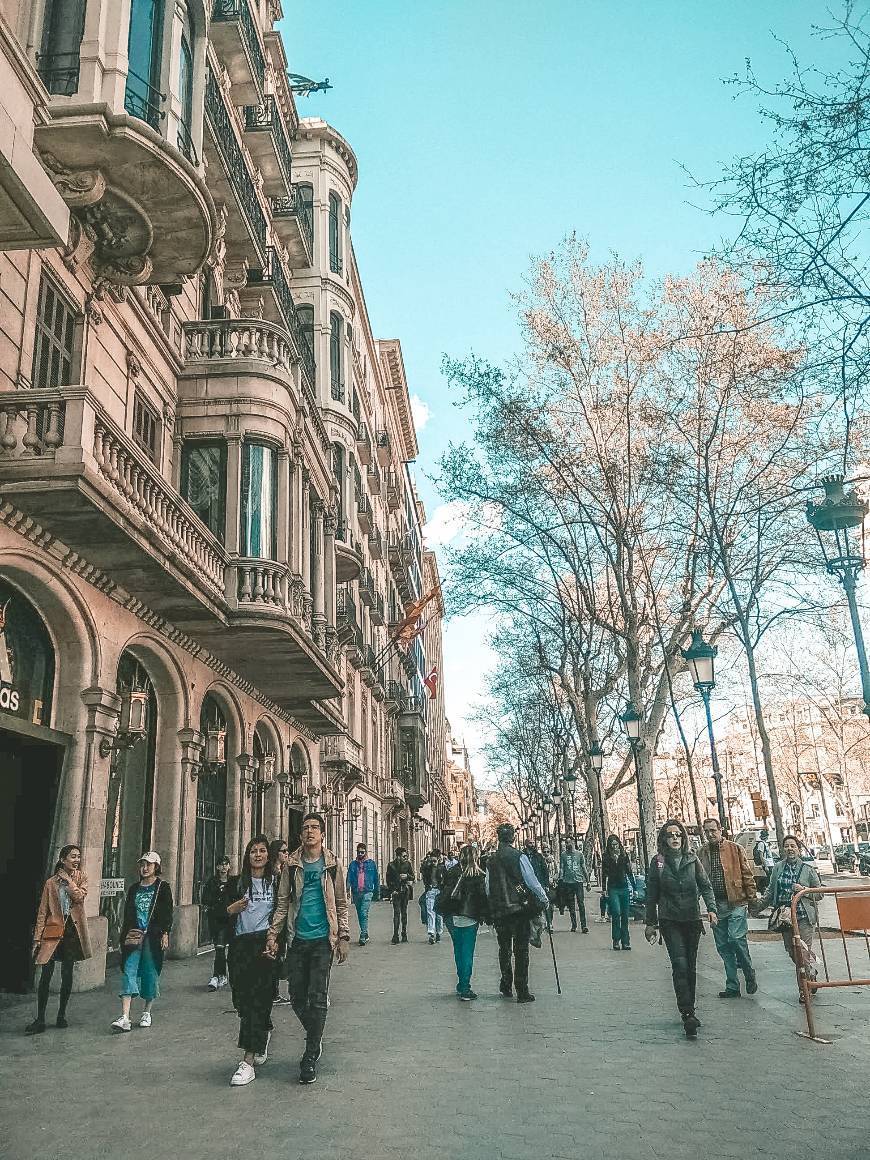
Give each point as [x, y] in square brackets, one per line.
[691, 1024]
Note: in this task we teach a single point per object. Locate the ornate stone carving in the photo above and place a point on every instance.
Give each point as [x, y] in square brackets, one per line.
[77, 187]
[134, 367]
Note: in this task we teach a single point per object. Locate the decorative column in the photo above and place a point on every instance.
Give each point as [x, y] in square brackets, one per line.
[245, 762]
[234, 492]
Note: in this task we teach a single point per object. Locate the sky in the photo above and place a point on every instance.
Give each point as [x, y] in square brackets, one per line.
[487, 130]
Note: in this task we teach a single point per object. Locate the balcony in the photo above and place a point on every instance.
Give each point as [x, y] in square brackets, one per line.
[267, 144]
[224, 345]
[293, 222]
[373, 479]
[376, 611]
[394, 792]
[393, 490]
[348, 554]
[401, 553]
[363, 444]
[384, 448]
[236, 41]
[376, 545]
[367, 669]
[346, 618]
[366, 588]
[364, 514]
[66, 464]
[230, 175]
[342, 755]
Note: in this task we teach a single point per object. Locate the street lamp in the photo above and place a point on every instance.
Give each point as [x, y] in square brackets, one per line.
[632, 722]
[701, 657]
[839, 522]
[596, 761]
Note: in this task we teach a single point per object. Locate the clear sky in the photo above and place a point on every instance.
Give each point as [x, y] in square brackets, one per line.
[488, 129]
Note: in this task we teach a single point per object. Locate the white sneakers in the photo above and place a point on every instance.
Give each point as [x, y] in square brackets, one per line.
[244, 1074]
[122, 1023]
[145, 1021]
[214, 982]
[261, 1057]
[223, 981]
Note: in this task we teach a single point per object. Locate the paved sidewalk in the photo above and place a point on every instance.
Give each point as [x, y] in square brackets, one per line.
[410, 1072]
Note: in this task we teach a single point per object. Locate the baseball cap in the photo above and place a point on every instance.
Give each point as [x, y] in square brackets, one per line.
[150, 856]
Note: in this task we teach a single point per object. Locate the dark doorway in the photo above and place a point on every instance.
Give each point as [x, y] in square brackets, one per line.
[29, 777]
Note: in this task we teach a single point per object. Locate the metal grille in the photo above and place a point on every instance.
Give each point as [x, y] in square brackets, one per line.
[55, 335]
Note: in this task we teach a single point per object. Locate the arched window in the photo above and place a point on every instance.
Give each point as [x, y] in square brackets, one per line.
[26, 659]
[335, 262]
[336, 356]
[143, 97]
[62, 32]
[259, 501]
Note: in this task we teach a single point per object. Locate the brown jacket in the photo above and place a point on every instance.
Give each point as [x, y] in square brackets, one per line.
[51, 911]
[739, 879]
[290, 894]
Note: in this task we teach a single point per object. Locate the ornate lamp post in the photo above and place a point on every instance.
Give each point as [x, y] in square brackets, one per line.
[701, 658]
[557, 803]
[632, 722]
[596, 761]
[839, 522]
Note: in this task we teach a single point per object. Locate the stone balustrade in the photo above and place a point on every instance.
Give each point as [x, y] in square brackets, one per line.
[237, 338]
[31, 424]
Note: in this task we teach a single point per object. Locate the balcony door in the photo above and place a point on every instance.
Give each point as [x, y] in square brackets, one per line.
[144, 50]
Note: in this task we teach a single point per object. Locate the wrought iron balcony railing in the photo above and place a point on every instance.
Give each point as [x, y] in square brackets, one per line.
[142, 100]
[296, 206]
[238, 11]
[268, 117]
[233, 159]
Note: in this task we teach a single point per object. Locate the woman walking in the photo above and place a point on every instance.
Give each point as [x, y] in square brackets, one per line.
[214, 902]
[617, 880]
[674, 880]
[464, 905]
[252, 972]
[148, 913]
[786, 878]
[61, 934]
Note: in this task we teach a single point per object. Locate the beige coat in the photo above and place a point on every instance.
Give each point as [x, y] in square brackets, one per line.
[50, 908]
[290, 894]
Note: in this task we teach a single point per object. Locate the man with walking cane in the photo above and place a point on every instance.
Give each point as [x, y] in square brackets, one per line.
[515, 896]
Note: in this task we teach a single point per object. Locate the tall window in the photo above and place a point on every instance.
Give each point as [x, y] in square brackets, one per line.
[143, 98]
[259, 501]
[336, 360]
[338, 470]
[335, 264]
[55, 334]
[305, 318]
[146, 429]
[185, 91]
[62, 34]
[204, 482]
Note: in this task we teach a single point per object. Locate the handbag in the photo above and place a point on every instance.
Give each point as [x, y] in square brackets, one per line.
[53, 929]
[134, 936]
[780, 918]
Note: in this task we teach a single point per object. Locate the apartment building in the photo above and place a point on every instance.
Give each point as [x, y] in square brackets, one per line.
[207, 522]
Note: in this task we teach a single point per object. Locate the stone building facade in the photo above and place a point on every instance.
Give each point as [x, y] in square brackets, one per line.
[207, 522]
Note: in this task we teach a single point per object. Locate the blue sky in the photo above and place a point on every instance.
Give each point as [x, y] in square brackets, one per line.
[488, 129]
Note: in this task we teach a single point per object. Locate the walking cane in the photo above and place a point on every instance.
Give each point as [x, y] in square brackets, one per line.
[555, 968]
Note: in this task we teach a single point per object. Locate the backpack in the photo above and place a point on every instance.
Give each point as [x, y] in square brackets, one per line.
[758, 853]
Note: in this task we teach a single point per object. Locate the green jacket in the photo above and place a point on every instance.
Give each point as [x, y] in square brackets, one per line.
[572, 868]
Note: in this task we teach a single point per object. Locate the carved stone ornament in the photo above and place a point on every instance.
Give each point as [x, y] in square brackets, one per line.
[134, 366]
[77, 187]
[168, 416]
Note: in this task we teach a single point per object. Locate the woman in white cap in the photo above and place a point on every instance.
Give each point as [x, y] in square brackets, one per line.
[144, 939]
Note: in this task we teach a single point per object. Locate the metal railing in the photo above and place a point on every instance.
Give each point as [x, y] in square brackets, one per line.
[143, 101]
[185, 142]
[59, 72]
[294, 205]
[267, 116]
[233, 159]
[225, 11]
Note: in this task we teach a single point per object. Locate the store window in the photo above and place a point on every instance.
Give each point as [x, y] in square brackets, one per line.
[259, 501]
[204, 482]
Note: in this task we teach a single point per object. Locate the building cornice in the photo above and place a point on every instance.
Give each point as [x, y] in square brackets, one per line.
[396, 382]
[316, 129]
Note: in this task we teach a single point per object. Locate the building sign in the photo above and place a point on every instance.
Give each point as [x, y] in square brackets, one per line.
[110, 887]
[26, 659]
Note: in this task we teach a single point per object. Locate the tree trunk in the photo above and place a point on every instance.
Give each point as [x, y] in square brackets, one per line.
[763, 735]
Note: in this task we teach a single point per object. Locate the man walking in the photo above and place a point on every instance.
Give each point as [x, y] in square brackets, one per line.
[400, 878]
[733, 884]
[432, 872]
[312, 908]
[762, 856]
[364, 887]
[573, 875]
[513, 891]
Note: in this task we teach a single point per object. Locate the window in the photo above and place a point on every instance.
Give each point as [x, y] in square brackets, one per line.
[335, 264]
[259, 501]
[305, 318]
[185, 91]
[62, 33]
[55, 334]
[204, 482]
[146, 428]
[143, 98]
[340, 475]
[336, 360]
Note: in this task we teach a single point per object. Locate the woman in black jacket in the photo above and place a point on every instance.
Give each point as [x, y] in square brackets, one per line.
[147, 921]
[674, 880]
[464, 904]
[617, 881]
[214, 903]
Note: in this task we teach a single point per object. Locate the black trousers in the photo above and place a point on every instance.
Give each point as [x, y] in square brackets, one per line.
[252, 976]
[309, 962]
[681, 940]
[513, 952]
[576, 899]
[400, 911]
[68, 952]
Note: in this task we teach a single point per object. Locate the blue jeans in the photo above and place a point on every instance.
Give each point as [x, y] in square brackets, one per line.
[362, 902]
[140, 975]
[464, 940]
[618, 901]
[730, 938]
[434, 922]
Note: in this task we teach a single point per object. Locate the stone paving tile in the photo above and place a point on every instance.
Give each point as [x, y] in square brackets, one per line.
[600, 1072]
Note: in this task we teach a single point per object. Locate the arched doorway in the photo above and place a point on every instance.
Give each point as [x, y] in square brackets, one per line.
[30, 766]
[265, 770]
[211, 803]
[130, 803]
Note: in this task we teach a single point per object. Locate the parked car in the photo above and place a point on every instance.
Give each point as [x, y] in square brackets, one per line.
[864, 858]
[845, 858]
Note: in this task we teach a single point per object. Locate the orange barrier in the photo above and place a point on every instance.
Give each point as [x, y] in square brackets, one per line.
[853, 911]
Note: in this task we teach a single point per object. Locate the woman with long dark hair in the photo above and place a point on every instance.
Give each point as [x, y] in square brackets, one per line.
[148, 913]
[617, 881]
[787, 877]
[674, 880]
[251, 902]
[60, 934]
[464, 904]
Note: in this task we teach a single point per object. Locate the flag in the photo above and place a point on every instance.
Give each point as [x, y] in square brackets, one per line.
[431, 682]
[411, 633]
[408, 627]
